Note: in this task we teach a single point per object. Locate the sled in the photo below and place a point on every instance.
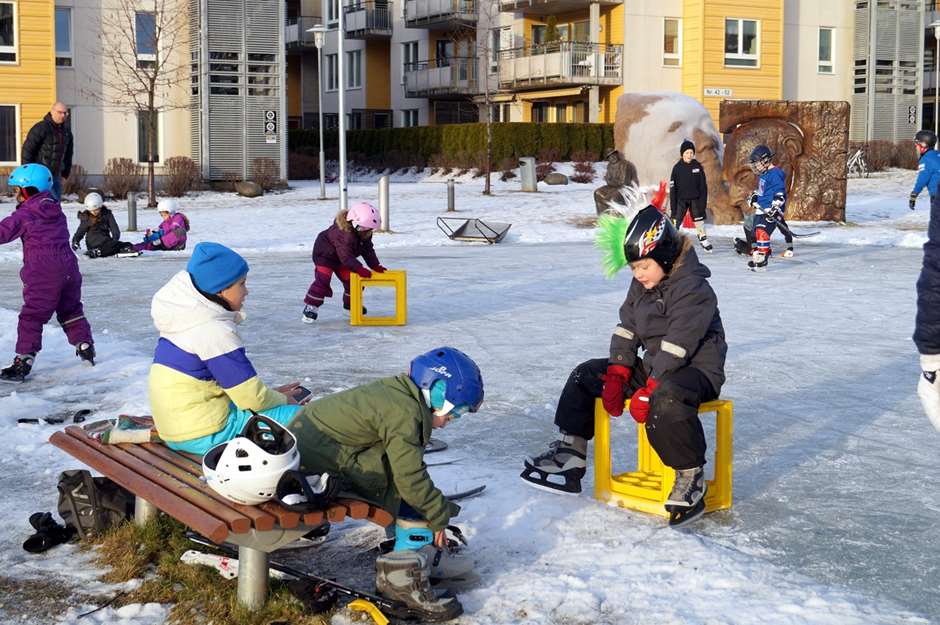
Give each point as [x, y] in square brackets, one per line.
[472, 230]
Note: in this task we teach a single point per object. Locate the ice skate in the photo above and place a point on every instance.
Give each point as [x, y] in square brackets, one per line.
[309, 314]
[758, 262]
[565, 459]
[17, 372]
[405, 576]
[686, 502]
[741, 246]
[86, 351]
[705, 243]
[789, 252]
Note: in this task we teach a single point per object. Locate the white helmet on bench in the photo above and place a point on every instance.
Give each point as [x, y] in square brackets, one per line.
[247, 468]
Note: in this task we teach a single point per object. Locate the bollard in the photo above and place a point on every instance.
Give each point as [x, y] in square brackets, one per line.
[451, 208]
[383, 204]
[527, 174]
[131, 211]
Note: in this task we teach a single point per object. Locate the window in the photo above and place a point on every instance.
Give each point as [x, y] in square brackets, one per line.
[331, 121]
[409, 58]
[8, 134]
[444, 51]
[354, 121]
[742, 43]
[409, 118]
[142, 145]
[672, 42]
[146, 36]
[63, 37]
[7, 32]
[495, 39]
[354, 69]
[582, 32]
[262, 75]
[538, 34]
[561, 113]
[381, 120]
[332, 12]
[540, 112]
[826, 37]
[332, 72]
[224, 73]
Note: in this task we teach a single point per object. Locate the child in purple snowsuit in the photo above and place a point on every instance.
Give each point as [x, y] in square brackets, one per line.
[336, 251]
[52, 282]
[170, 235]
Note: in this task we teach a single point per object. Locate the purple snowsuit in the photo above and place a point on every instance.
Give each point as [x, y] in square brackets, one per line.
[52, 282]
[336, 250]
[174, 230]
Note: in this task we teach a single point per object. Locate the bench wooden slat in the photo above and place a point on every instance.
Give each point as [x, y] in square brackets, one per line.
[209, 526]
[238, 523]
[259, 520]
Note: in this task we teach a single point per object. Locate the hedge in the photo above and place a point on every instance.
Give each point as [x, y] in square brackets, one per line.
[463, 143]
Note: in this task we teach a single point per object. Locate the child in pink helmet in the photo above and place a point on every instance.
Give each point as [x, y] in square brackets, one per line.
[337, 249]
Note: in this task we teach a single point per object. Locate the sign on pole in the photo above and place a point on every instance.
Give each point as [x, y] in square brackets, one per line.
[270, 126]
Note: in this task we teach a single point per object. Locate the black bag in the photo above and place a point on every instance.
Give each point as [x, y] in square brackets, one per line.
[92, 505]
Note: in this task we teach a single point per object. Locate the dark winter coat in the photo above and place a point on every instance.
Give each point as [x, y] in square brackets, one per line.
[373, 436]
[677, 322]
[927, 325]
[98, 232]
[340, 246]
[49, 144]
[688, 183]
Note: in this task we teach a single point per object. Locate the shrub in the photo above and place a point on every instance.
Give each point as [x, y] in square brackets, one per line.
[121, 176]
[76, 182]
[546, 163]
[182, 175]
[583, 167]
[302, 166]
[880, 155]
[906, 157]
[265, 172]
[507, 168]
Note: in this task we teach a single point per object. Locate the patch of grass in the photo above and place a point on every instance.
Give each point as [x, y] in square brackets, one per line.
[199, 594]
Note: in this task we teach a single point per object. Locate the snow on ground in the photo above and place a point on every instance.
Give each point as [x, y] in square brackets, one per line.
[835, 512]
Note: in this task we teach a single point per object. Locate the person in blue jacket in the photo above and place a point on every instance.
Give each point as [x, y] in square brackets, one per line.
[768, 200]
[928, 168]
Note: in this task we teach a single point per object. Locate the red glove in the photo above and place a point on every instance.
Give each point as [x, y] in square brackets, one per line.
[379, 269]
[363, 272]
[612, 396]
[640, 402]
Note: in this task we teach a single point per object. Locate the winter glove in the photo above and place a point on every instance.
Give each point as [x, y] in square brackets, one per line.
[363, 272]
[912, 201]
[615, 381]
[640, 402]
[928, 388]
[779, 200]
[74, 246]
[379, 269]
[752, 201]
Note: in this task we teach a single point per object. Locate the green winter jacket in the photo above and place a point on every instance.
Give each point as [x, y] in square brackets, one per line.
[373, 436]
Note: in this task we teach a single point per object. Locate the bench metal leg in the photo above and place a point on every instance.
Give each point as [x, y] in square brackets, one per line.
[143, 511]
[252, 577]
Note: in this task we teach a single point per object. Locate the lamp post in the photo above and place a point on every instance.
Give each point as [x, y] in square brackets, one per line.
[936, 83]
[341, 67]
[319, 35]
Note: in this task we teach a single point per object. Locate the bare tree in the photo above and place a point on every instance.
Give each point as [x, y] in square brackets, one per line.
[145, 67]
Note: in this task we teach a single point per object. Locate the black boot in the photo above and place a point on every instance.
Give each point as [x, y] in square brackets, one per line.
[17, 372]
[86, 351]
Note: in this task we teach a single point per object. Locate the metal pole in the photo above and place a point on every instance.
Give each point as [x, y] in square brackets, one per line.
[143, 511]
[131, 211]
[383, 204]
[341, 67]
[320, 114]
[936, 84]
[450, 197]
[252, 577]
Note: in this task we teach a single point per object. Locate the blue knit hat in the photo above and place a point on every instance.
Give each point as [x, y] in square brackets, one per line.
[215, 267]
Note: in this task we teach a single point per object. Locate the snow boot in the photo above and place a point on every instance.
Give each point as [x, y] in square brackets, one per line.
[565, 458]
[17, 372]
[404, 576]
[686, 502]
[310, 314]
[86, 351]
[741, 246]
[449, 569]
[346, 307]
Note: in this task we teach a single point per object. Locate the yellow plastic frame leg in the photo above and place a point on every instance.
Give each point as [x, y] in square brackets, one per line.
[361, 605]
[397, 279]
[647, 488]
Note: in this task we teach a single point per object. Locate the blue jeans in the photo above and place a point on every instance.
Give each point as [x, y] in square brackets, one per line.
[57, 188]
[233, 427]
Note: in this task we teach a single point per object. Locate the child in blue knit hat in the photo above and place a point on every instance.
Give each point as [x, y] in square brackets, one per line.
[202, 385]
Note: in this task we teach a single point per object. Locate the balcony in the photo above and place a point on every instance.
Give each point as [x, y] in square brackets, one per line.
[369, 19]
[440, 14]
[550, 7]
[442, 79]
[296, 36]
[561, 64]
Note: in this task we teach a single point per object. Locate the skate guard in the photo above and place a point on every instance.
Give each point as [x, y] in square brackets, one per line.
[647, 487]
[396, 279]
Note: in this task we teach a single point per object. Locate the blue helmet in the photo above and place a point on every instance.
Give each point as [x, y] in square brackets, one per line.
[463, 382]
[31, 175]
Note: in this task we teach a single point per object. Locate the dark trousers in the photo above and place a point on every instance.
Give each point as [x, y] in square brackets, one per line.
[110, 248]
[673, 427]
[684, 206]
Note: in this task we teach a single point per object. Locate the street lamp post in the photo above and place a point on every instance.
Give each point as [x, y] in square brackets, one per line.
[936, 82]
[341, 67]
[319, 35]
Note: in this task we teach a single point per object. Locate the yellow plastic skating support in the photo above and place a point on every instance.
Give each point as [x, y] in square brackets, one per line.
[647, 488]
[392, 278]
[361, 605]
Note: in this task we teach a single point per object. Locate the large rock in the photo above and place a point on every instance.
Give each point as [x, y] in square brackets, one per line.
[246, 188]
[555, 178]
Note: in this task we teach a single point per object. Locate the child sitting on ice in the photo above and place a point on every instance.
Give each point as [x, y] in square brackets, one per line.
[170, 235]
[336, 251]
[99, 228]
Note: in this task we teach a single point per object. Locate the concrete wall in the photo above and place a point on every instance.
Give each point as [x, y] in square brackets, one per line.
[801, 77]
[643, 46]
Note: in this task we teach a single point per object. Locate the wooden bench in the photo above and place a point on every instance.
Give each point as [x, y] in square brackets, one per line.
[165, 480]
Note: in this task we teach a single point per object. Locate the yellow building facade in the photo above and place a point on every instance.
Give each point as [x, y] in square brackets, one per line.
[27, 71]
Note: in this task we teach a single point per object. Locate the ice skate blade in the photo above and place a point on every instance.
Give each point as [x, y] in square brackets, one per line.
[307, 320]
[548, 487]
[685, 516]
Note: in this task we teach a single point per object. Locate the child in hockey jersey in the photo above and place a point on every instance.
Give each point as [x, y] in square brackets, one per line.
[202, 385]
[100, 230]
[170, 235]
[689, 192]
[336, 250]
[769, 201]
[672, 313]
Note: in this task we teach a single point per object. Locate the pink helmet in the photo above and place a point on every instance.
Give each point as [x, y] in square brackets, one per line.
[363, 216]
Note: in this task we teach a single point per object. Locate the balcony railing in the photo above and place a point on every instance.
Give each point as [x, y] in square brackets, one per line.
[441, 78]
[550, 7]
[296, 35]
[440, 14]
[561, 63]
[369, 19]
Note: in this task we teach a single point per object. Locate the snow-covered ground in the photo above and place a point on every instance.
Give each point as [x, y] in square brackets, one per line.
[835, 508]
